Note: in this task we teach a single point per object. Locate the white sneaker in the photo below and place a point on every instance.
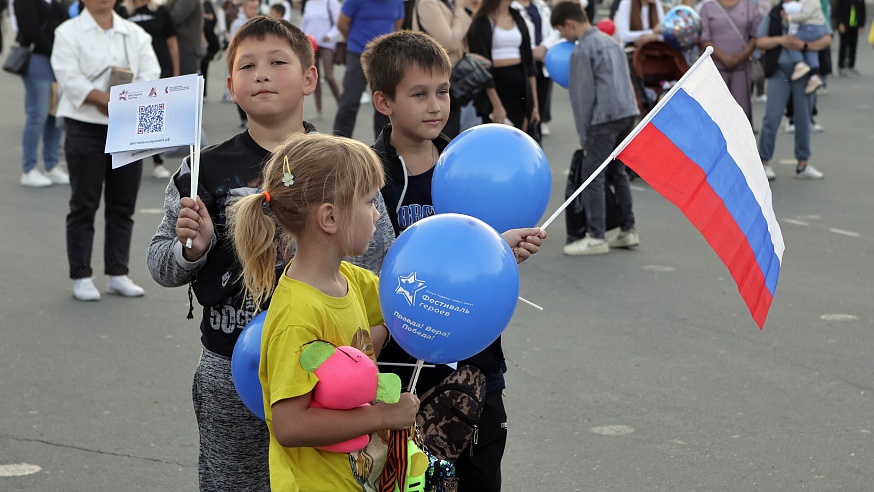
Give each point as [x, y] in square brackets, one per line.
[35, 179]
[58, 176]
[761, 99]
[160, 172]
[123, 286]
[769, 173]
[84, 290]
[816, 128]
[544, 130]
[587, 246]
[814, 83]
[626, 239]
[790, 128]
[801, 70]
[809, 172]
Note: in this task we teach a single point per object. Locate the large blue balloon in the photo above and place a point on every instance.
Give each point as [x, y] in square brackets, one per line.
[448, 288]
[244, 365]
[495, 173]
[558, 62]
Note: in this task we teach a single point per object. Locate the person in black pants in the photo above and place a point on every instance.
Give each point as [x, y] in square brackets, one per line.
[84, 105]
[849, 15]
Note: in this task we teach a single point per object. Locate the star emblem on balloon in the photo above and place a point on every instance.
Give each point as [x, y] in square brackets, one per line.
[408, 287]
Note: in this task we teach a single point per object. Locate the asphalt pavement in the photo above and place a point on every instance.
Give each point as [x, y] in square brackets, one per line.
[644, 372]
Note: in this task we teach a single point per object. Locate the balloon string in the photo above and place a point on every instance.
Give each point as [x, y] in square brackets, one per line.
[416, 371]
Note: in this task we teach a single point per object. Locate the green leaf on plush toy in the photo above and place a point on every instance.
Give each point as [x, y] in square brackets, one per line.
[388, 388]
[315, 354]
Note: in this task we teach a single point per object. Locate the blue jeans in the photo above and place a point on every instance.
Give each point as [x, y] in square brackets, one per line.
[780, 86]
[600, 141]
[808, 33]
[38, 123]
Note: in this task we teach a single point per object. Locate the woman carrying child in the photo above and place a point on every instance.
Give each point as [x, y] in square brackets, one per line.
[319, 190]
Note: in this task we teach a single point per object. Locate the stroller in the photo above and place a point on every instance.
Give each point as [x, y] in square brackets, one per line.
[654, 68]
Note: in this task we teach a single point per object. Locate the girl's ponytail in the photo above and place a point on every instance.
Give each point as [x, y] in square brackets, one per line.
[253, 230]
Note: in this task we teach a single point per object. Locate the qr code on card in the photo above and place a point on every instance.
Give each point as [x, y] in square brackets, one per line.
[150, 119]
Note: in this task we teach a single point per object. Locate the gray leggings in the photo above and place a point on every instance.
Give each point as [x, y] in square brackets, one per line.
[233, 442]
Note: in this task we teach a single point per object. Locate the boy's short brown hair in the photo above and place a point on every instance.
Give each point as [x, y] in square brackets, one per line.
[567, 10]
[260, 27]
[388, 57]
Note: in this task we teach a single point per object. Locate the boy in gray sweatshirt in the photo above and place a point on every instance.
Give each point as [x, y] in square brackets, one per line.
[605, 112]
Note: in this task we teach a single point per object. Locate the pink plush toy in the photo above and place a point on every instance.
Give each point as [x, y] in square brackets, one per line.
[348, 379]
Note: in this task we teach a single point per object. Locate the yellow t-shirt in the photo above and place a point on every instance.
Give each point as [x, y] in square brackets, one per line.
[298, 314]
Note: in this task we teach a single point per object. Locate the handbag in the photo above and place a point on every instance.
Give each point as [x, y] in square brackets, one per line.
[469, 78]
[340, 53]
[757, 72]
[18, 60]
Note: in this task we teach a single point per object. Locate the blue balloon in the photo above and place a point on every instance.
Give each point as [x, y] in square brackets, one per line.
[244, 365]
[681, 27]
[495, 173]
[448, 288]
[558, 62]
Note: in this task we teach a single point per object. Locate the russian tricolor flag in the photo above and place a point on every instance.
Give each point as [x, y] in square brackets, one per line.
[697, 149]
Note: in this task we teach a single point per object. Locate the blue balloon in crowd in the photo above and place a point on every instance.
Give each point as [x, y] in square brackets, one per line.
[244, 365]
[681, 27]
[558, 62]
[448, 288]
[495, 173]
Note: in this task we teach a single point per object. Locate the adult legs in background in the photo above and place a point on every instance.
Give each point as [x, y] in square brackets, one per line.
[326, 73]
[599, 143]
[510, 83]
[739, 85]
[120, 200]
[621, 184]
[778, 94]
[801, 105]
[83, 148]
[847, 49]
[354, 84]
[544, 95]
[38, 124]
[91, 169]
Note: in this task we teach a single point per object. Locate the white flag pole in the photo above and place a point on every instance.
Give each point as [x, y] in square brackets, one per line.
[419, 364]
[637, 129]
[194, 150]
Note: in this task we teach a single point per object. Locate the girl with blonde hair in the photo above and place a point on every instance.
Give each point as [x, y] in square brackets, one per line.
[320, 191]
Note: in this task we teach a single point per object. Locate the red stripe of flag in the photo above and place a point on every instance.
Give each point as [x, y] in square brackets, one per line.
[673, 175]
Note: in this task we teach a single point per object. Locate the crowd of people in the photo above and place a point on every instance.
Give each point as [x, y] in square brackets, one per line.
[270, 177]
